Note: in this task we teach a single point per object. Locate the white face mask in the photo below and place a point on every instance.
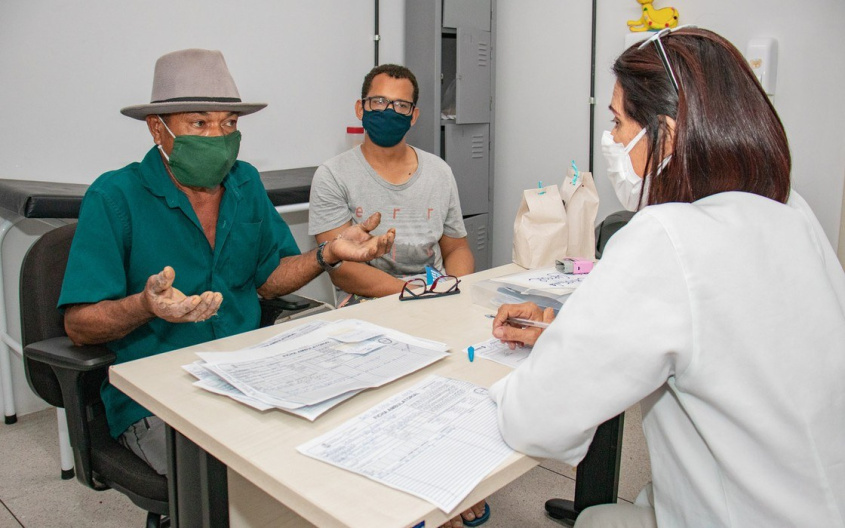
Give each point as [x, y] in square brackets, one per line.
[620, 170]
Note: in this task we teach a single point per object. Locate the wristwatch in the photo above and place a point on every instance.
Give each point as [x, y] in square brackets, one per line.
[328, 268]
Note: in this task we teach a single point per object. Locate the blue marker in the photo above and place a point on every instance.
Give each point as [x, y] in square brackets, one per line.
[471, 354]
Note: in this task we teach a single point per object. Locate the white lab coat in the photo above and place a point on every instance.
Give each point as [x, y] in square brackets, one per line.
[726, 318]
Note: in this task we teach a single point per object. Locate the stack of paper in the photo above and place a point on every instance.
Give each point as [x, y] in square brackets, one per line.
[436, 440]
[312, 368]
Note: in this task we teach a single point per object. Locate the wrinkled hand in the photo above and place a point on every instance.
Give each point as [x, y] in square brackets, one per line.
[162, 300]
[518, 335]
[356, 244]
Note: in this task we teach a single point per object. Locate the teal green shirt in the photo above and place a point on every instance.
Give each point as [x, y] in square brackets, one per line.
[134, 222]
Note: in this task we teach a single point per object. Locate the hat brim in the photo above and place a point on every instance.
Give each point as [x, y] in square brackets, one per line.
[142, 111]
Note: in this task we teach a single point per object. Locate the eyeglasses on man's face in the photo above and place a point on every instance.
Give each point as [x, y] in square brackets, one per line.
[661, 51]
[378, 103]
[418, 289]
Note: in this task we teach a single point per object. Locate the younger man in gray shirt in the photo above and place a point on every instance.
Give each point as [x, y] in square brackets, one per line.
[415, 192]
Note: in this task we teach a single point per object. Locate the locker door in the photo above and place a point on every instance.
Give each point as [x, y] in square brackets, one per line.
[422, 56]
[473, 91]
[477, 239]
[466, 13]
[468, 153]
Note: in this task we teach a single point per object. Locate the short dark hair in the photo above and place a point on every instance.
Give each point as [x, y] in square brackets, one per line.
[395, 71]
[728, 136]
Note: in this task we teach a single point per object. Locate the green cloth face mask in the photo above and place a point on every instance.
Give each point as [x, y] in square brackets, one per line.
[202, 161]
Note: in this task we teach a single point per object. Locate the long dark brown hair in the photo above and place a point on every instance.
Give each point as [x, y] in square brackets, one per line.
[727, 135]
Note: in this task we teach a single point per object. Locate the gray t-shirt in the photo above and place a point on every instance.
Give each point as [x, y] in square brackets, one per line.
[422, 210]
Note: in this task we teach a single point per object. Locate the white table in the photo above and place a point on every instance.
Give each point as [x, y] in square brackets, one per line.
[269, 482]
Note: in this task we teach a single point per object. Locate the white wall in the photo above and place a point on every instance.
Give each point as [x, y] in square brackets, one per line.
[68, 67]
[543, 54]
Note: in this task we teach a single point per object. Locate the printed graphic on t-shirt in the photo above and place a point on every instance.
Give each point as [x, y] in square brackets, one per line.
[416, 245]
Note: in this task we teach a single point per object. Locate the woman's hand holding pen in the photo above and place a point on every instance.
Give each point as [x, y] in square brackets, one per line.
[515, 334]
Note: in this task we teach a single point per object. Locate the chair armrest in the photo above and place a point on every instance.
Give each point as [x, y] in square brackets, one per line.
[271, 309]
[62, 353]
[70, 376]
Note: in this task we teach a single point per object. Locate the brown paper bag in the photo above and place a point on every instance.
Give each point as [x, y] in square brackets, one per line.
[539, 230]
[581, 201]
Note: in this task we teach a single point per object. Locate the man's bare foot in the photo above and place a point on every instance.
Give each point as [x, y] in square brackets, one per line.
[469, 515]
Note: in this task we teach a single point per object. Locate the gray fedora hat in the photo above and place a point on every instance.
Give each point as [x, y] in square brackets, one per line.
[192, 80]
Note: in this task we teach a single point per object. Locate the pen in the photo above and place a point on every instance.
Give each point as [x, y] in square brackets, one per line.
[522, 322]
[471, 353]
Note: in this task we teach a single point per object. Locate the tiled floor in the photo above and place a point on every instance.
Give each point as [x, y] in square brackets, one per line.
[33, 496]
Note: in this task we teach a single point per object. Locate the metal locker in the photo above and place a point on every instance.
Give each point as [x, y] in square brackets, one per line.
[473, 90]
[478, 240]
[466, 13]
[422, 57]
[467, 149]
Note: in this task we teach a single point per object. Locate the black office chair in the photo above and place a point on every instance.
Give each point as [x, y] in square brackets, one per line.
[69, 376]
[608, 227]
[597, 476]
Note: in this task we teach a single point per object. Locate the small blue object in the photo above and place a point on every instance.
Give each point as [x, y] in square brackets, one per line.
[577, 173]
[471, 354]
[540, 186]
[430, 275]
[421, 524]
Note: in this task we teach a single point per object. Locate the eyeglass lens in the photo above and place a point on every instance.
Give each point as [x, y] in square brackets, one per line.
[444, 284]
[415, 286]
[380, 104]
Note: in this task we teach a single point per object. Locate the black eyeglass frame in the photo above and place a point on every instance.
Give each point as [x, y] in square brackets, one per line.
[661, 51]
[390, 103]
[428, 291]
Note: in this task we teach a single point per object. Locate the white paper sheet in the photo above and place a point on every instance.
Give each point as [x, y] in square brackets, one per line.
[315, 368]
[548, 280]
[211, 382]
[436, 440]
[494, 350]
[293, 333]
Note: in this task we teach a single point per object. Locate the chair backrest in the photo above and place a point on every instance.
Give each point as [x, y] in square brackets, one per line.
[608, 227]
[42, 272]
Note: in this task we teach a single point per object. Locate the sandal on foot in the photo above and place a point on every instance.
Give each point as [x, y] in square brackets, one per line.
[478, 521]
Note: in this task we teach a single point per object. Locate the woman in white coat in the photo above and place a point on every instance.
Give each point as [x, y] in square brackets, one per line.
[720, 307]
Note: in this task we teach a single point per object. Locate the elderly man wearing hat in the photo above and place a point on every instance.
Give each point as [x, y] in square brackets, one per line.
[187, 235]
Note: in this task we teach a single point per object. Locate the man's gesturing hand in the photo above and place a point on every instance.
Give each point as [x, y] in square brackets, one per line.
[356, 244]
[162, 300]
